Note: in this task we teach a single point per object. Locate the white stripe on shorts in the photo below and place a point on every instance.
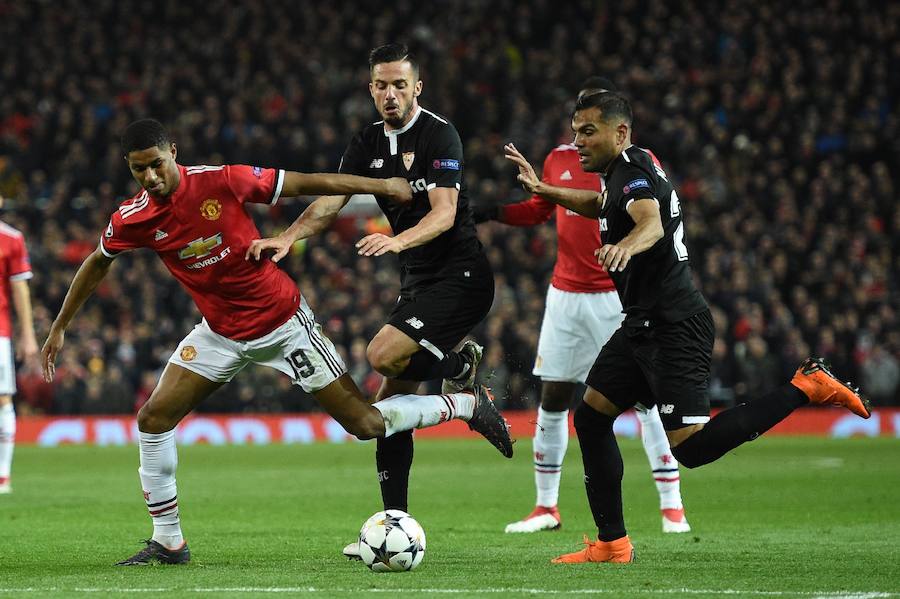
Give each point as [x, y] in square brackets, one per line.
[316, 339]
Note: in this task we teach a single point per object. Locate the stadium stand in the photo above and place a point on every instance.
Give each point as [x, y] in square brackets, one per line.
[778, 123]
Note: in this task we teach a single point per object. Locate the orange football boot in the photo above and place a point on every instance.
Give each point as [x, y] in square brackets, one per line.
[619, 551]
[814, 378]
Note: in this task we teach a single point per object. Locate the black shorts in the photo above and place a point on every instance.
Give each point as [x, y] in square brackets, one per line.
[665, 365]
[440, 312]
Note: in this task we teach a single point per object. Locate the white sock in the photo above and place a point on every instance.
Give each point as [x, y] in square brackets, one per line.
[551, 439]
[7, 439]
[662, 462]
[404, 412]
[159, 460]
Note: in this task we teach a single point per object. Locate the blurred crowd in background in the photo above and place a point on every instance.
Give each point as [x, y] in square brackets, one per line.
[777, 122]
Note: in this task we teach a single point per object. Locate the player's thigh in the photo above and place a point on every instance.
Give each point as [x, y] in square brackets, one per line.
[604, 312]
[439, 315]
[677, 365]
[178, 391]
[617, 375]
[209, 354]
[299, 349]
[7, 367]
[390, 345]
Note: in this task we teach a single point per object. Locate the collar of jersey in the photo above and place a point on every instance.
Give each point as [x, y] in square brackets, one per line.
[393, 133]
[621, 156]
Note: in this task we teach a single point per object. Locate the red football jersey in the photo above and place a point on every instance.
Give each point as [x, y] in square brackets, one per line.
[14, 266]
[578, 236]
[201, 232]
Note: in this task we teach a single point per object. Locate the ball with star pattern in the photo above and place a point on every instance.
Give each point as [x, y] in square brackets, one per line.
[391, 541]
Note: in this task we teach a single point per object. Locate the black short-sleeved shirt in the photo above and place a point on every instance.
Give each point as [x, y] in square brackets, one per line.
[428, 153]
[656, 285]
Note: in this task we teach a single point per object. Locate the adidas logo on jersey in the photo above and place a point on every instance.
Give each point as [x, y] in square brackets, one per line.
[160, 235]
[566, 176]
[415, 323]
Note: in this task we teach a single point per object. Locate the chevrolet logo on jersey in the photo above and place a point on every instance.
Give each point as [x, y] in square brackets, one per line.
[200, 247]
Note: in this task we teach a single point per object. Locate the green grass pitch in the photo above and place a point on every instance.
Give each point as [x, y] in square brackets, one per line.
[781, 517]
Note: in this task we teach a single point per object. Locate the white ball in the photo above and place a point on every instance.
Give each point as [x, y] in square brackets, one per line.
[391, 541]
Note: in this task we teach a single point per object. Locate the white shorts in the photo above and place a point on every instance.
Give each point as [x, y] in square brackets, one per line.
[297, 348]
[575, 327]
[7, 367]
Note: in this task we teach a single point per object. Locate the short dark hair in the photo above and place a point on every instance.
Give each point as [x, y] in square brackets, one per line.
[392, 53]
[611, 104]
[143, 134]
[597, 82]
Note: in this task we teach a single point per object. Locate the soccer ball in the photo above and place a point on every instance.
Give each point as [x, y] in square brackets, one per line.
[391, 541]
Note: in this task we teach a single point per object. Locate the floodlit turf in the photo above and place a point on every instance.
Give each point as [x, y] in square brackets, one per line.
[784, 517]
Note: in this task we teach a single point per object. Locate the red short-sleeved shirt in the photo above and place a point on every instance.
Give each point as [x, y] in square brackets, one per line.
[201, 233]
[14, 266]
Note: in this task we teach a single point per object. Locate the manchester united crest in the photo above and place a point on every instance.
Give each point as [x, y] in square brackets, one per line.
[408, 158]
[188, 353]
[211, 209]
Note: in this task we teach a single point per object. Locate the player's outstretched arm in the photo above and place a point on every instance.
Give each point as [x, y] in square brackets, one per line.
[396, 189]
[317, 217]
[584, 202]
[89, 275]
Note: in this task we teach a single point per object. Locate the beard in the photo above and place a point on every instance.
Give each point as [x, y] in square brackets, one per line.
[398, 119]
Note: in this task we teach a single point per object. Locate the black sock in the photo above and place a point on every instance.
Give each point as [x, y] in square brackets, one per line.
[602, 470]
[424, 366]
[737, 425]
[393, 458]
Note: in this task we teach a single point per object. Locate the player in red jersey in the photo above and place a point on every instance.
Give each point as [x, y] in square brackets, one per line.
[195, 219]
[582, 312]
[16, 269]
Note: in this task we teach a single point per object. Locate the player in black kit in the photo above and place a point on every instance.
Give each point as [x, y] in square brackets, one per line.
[662, 351]
[447, 285]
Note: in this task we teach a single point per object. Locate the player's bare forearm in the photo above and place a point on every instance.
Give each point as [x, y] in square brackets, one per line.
[642, 237]
[89, 275]
[297, 184]
[443, 202]
[432, 224]
[582, 201]
[318, 217]
[647, 229]
[22, 304]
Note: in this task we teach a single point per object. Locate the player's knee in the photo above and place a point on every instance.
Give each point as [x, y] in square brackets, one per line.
[381, 359]
[587, 420]
[150, 420]
[689, 452]
[369, 426]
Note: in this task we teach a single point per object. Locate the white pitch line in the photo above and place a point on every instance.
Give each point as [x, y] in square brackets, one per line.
[481, 591]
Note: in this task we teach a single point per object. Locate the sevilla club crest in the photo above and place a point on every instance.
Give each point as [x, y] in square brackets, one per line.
[408, 158]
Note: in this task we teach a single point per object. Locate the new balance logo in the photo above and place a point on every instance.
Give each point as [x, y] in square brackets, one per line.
[377, 163]
[666, 408]
[160, 235]
[415, 323]
[566, 176]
